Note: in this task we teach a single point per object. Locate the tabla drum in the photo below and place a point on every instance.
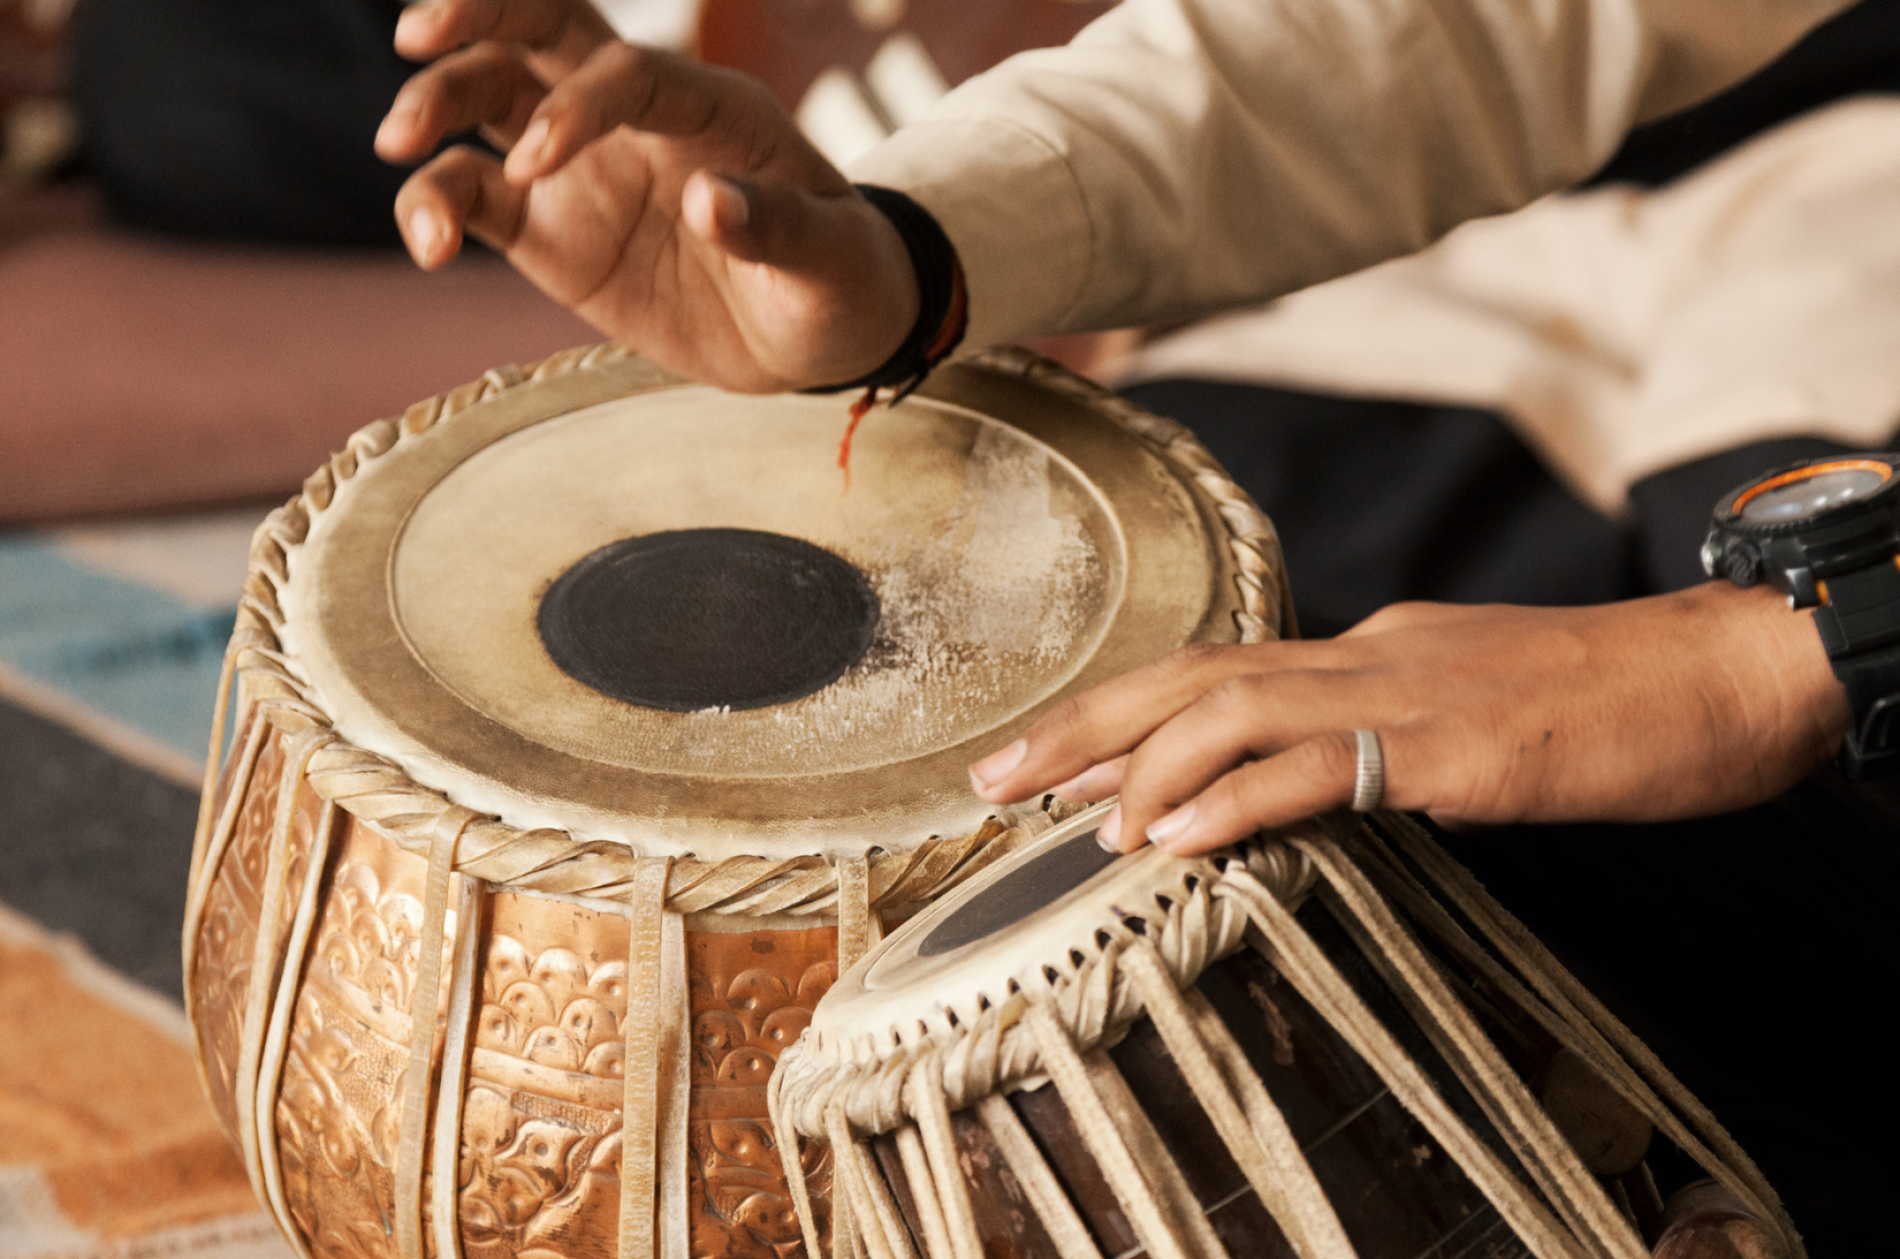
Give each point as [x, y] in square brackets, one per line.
[1325, 1043]
[586, 720]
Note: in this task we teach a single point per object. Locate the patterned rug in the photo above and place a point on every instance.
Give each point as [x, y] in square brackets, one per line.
[110, 640]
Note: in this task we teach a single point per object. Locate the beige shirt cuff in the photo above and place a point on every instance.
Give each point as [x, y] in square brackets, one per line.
[1008, 299]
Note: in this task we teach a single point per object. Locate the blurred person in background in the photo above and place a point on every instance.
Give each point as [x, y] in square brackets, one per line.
[236, 121]
[219, 119]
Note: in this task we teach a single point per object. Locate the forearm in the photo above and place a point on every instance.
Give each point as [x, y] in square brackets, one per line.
[1681, 705]
[1186, 155]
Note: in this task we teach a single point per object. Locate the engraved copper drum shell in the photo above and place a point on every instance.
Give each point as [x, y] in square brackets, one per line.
[374, 893]
[540, 1121]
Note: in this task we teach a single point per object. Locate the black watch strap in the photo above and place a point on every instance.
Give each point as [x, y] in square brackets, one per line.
[1859, 620]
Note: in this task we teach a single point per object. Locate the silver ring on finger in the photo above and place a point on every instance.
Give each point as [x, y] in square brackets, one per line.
[1368, 787]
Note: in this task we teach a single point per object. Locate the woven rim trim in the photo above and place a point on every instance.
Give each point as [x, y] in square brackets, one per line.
[377, 790]
[1189, 927]
[1266, 602]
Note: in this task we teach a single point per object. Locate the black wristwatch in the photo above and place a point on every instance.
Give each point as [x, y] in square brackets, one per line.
[1827, 534]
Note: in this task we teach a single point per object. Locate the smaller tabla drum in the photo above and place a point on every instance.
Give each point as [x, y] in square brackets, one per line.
[587, 719]
[1325, 1043]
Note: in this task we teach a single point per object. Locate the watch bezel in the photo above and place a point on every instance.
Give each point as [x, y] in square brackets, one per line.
[1795, 556]
[1728, 510]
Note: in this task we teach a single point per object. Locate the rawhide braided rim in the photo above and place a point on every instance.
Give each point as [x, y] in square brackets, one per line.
[900, 871]
[965, 1008]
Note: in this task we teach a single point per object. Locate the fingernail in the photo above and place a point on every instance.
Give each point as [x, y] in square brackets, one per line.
[1090, 784]
[1074, 789]
[426, 232]
[534, 141]
[400, 115]
[998, 765]
[1167, 829]
[413, 20]
[1110, 834]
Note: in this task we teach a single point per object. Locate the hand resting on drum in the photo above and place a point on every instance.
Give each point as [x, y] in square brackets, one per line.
[674, 206]
[1674, 706]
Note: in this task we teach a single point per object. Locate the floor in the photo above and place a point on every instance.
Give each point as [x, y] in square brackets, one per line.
[111, 637]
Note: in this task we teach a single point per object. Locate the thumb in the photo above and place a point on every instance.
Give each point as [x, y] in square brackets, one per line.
[850, 275]
[719, 211]
[783, 226]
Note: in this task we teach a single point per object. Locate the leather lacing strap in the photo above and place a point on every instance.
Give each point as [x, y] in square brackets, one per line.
[425, 1000]
[1153, 1157]
[923, 1097]
[856, 1230]
[792, 1159]
[1046, 1197]
[445, 1160]
[653, 1126]
[858, 928]
[1315, 978]
[858, 1190]
[917, 1173]
[207, 794]
[216, 839]
[1259, 1138]
[1103, 1136]
[1567, 1025]
[1655, 1091]
[1446, 1021]
[254, 1128]
[277, 1041]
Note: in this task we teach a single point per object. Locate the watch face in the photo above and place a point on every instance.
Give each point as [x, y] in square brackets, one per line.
[1807, 492]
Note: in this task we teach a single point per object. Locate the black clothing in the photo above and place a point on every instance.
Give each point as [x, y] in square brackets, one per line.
[240, 120]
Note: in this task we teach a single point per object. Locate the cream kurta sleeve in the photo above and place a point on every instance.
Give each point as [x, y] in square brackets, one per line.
[1184, 156]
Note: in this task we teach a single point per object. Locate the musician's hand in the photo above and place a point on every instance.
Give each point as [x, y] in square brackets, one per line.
[1673, 706]
[674, 206]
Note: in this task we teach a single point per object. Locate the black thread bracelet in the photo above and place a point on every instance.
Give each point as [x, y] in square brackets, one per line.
[934, 260]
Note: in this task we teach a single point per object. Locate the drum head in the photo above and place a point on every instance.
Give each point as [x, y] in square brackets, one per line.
[1022, 924]
[642, 610]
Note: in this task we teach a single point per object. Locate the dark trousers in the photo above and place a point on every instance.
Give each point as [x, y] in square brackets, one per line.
[1748, 949]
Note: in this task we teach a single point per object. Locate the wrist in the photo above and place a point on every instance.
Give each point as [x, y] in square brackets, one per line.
[1826, 533]
[942, 301]
[1790, 699]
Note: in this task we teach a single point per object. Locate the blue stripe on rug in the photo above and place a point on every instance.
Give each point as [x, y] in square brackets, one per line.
[131, 652]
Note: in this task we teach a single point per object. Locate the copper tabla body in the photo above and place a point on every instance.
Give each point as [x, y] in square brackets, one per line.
[403, 1086]
[541, 1119]
[1233, 1058]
